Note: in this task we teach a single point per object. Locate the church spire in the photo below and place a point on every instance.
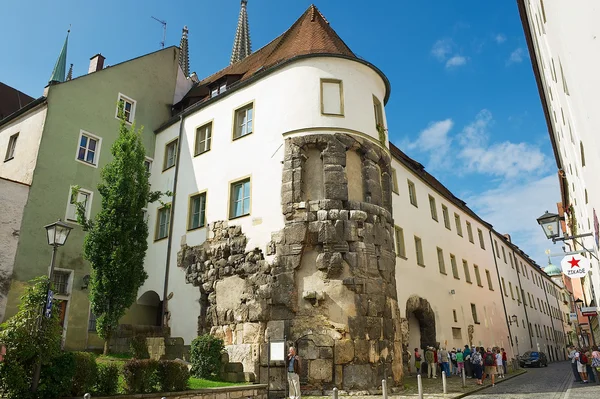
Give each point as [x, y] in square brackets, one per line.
[241, 45]
[58, 73]
[184, 55]
[70, 73]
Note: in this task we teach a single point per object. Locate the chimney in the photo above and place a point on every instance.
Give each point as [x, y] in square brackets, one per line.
[507, 236]
[96, 63]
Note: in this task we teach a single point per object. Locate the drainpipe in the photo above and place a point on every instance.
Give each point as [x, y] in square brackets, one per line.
[500, 285]
[529, 331]
[171, 223]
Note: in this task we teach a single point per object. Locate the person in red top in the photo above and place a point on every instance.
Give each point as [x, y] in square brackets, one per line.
[504, 359]
[435, 358]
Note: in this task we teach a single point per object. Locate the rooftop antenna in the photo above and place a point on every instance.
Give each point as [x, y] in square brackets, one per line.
[164, 25]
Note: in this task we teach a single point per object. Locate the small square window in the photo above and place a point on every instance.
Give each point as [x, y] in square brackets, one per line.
[12, 144]
[128, 108]
[456, 333]
[395, 182]
[412, 193]
[239, 201]
[197, 211]
[163, 220]
[82, 196]
[332, 97]
[60, 282]
[170, 154]
[88, 148]
[203, 139]
[244, 121]
[400, 247]
[148, 164]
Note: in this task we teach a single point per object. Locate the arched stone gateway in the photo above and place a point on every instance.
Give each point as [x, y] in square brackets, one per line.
[422, 311]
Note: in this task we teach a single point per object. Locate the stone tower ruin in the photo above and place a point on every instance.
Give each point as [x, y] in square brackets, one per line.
[329, 285]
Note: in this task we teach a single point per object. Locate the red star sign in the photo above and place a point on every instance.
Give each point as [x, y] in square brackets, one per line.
[574, 262]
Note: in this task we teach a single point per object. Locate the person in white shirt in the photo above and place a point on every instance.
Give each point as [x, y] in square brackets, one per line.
[499, 363]
[572, 353]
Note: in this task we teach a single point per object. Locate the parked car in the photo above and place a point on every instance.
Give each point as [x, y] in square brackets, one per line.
[535, 359]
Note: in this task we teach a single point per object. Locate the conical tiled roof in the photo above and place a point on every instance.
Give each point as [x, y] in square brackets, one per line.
[310, 34]
[60, 68]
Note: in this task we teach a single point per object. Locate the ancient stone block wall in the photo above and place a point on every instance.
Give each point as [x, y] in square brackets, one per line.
[330, 288]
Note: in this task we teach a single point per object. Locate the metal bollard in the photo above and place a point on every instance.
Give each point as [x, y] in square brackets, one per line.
[444, 381]
[420, 386]
[335, 393]
[87, 396]
[384, 389]
[464, 377]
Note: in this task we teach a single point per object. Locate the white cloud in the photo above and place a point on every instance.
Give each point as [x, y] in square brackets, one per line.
[442, 48]
[504, 159]
[456, 61]
[516, 56]
[475, 133]
[514, 207]
[500, 38]
[434, 139]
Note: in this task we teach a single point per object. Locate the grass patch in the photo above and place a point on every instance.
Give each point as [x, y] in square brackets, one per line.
[200, 383]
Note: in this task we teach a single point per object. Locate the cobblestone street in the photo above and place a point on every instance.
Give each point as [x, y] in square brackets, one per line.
[554, 382]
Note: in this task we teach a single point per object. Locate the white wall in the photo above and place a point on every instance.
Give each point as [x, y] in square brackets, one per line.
[13, 197]
[566, 35]
[30, 127]
[427, 282]
[285, 102]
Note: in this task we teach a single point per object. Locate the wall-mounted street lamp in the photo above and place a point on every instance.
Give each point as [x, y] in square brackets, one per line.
[550, 223]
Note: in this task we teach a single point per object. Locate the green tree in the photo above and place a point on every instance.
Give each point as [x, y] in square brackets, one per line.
[29, 336]
[116, 243]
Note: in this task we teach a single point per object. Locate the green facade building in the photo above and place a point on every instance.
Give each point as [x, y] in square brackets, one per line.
[63, 139]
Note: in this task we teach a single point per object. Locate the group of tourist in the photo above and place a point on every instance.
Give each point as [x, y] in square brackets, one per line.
[585, 363]
[476, 362]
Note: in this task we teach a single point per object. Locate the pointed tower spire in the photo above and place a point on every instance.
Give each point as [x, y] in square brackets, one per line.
[58, 73]
[70, 73]
[241, 45]
[184, 56]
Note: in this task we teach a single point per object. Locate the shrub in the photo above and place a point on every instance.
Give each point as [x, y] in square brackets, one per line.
[205, 356]
[173, 376]
[56, 379]
[107, 382]
[86, 372]
[139, 348]
[15, 380]
[140, 376]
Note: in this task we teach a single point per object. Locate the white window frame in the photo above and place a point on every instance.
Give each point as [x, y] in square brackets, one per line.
[151, 162]
[202, 211]
[237, 126]
[231, 201]
[12, 145]
[133, 108]
[412, 193]
[167, 208]
[340, 85]
[88, 205]
[165, 159]
[97, 152]
[207, 138]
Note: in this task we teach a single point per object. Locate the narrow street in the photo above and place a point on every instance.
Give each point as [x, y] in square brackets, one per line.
[552, 382]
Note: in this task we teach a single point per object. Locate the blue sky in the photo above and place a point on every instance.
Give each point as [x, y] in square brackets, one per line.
[464, 100]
